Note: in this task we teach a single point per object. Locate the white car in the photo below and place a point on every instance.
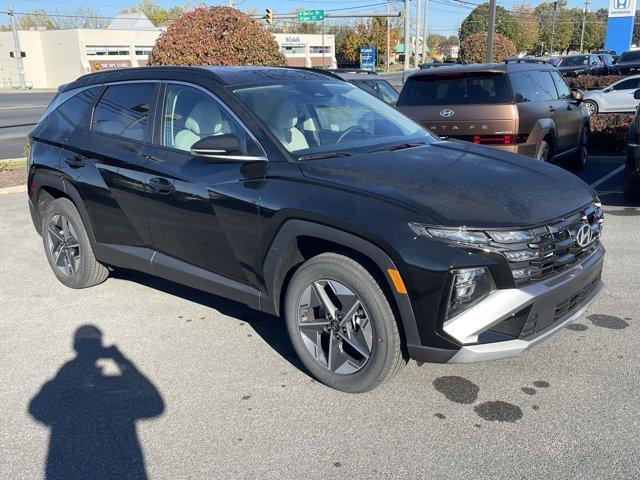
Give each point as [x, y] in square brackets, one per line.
[615, 98]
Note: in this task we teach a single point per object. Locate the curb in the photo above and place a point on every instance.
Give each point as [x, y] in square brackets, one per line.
[14, 189]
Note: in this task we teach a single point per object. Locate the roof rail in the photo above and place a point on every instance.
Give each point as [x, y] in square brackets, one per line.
[525, 60]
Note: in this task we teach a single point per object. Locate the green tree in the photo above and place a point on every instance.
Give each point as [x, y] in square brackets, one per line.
[593, 31]
[372, 32]
[473, 49]
[478, 21]
[528, 32]
[216, 36]
[563, 29]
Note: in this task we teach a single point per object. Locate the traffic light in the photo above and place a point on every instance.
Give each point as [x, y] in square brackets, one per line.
[269, 16]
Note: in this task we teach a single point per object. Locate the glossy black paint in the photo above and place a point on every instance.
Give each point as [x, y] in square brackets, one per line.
[239, 228]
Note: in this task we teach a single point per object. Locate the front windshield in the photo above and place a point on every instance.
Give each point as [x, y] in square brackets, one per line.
[576, 61]
[314, 116]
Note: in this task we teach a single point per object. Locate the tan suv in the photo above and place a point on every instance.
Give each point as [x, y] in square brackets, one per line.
[523, 106]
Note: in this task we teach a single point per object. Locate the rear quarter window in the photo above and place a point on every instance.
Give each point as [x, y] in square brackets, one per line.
[75, 109]
[469, 89]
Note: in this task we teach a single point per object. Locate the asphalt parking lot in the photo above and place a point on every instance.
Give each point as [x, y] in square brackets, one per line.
[211, 389]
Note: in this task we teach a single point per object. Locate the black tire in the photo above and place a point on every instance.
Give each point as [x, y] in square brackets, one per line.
[544, 152]
[591, 106]
[631, 188]
[385, 357]
[86, 271]
[579, 160]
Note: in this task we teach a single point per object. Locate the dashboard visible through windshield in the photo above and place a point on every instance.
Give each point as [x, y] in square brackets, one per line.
[316, 117]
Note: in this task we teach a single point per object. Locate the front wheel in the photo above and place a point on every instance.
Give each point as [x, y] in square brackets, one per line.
[341, 324]
[631, 189]
[579, 159]
[544, 152]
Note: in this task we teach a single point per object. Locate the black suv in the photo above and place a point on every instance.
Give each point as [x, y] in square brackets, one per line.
[300, 195]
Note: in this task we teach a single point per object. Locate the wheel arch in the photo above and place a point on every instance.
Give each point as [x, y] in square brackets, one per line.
[299, 240]
[46, 187]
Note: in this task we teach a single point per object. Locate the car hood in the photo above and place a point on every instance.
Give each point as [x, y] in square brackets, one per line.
[458, 183]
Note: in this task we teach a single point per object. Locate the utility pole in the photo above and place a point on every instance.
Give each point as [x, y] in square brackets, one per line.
[407, 34]
[425, 30]
[553, 26]
[417, 40]
[17, 52]
[491, 30]
[388, 35]
[584, 19]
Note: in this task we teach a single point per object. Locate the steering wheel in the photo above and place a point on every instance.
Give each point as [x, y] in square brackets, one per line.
[349, 131]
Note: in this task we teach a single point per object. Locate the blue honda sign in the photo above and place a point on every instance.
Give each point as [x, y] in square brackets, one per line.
[368, 57]
[620, 25]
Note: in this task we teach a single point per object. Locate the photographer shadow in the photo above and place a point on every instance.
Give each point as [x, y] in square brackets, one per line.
[92, 412]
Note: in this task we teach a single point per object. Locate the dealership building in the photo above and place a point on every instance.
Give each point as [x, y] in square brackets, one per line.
[54, 57]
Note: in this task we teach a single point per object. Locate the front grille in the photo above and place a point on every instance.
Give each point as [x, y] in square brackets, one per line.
[574, 301]
[556, 245]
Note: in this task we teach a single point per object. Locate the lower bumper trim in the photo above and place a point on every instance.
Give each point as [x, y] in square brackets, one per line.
[511, 348]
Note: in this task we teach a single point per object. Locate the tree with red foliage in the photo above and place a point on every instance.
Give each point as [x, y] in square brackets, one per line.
[216, 36]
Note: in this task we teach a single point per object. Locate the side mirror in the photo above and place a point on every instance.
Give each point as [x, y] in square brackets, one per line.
[578, 96]
[636, 94]
[217, 145]
[594, 64]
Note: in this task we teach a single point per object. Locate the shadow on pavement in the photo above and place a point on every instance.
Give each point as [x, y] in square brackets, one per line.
[270, 328]
[92, 412]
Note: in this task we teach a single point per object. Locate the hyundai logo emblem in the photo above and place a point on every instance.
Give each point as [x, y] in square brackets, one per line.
[583, 235]
[446, 112]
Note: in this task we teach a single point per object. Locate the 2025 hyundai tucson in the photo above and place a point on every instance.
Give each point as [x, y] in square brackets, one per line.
[300, 195]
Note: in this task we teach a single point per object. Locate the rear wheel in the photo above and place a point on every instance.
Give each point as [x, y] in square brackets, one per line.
[591, 106]
[67, 246]
[341, 324]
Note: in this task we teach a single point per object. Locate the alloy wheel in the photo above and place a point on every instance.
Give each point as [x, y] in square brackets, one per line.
[591, 107]
[335, 327]
[63, 245]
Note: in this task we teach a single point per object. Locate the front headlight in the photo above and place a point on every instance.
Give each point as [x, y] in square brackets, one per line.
[469, 286]
[459, 235]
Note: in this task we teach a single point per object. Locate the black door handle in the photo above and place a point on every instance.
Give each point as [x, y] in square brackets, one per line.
[162, 185]
[75, 161]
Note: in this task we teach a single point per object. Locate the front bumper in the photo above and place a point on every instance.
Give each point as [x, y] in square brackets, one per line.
[554, 303]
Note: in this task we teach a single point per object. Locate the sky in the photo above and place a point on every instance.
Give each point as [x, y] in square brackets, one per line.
[444, 15]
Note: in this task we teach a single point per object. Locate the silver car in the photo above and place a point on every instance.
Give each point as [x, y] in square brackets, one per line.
[615, 98]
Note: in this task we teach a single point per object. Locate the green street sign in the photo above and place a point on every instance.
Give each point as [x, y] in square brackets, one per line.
[311, 15]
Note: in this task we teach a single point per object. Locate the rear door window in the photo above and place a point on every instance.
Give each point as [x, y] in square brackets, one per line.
[75, 109]
[473, 89]
[123, 110]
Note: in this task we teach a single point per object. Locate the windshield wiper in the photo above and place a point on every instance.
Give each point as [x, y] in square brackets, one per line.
[320, 156]
[398, 146]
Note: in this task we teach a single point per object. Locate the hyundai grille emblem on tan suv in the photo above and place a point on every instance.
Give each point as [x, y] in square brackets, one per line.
[446, 112]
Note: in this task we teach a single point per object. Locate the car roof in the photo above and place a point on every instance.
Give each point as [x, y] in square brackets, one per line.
[483, 68]
[226, 75]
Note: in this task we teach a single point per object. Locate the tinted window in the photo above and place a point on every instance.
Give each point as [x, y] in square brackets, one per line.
[630, 84]
[630, 56]
[525, 89]
[365, 85]
[575, 61]
[123, 110]
[475, 89]
[190, 115]
[563, 89]
[545, 84]
[77, 106]
[389, 94]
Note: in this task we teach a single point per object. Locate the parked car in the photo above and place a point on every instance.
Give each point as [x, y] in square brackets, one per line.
[629, 62]
[303, 196]
[587, 64]
[631, 187]
[369, 82]
[555, 61]
[617, 97]
[523, 107]
[609, 63]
